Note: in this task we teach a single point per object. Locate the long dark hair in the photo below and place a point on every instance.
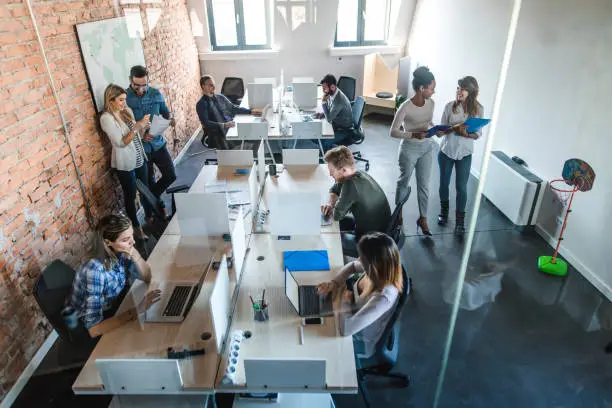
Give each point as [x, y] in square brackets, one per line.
[108, 229]
[474, 107]
[381, 260]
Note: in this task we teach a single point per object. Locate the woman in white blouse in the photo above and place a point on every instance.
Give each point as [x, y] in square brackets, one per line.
[368, 306]
[128, 157]
[456, 149]
[416, 152]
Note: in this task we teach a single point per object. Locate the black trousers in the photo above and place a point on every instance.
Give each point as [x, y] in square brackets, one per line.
[162, 159]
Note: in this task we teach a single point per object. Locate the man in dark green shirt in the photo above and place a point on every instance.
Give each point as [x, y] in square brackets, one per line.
[356, 199]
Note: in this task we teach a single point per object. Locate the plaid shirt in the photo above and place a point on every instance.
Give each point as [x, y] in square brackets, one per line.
[95, 287]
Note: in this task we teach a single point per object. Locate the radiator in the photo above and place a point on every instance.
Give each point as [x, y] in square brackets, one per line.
[513, 189]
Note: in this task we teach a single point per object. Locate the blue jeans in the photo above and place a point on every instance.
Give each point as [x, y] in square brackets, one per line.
[462, 174]
[127, 179]
[341, 137]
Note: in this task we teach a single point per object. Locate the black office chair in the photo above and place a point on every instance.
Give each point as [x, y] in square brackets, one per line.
[387, 350]
[395, 229]
[233, 89]
[358, 134]
[348, 85]
[146, 194]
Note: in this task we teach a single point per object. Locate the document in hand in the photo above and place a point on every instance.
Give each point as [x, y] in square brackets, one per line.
[159, 125]
[297, 261]
[437, 128]
[475, 124]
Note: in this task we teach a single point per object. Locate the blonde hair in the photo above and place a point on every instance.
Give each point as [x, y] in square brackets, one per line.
[340, 157]
[111, 93]
[381, 260]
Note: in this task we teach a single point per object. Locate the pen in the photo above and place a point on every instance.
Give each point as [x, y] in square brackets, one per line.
[263, 297]
[301, 334]
[253, 303]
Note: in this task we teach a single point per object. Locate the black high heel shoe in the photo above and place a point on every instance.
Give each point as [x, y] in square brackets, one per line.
[422, 224]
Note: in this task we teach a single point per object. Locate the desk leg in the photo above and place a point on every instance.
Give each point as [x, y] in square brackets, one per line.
[270, 150]
[162, 401]
[311, 400]
[321, 148]
[294, 143]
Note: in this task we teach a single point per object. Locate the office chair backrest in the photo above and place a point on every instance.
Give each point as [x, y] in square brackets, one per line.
[348, 85]
[146, 194]
[357, 109]
[394, 230]
[51, 291]
[387, 348]
[233, 88]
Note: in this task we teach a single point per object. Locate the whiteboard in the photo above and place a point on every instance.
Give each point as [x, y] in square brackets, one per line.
[109, 49]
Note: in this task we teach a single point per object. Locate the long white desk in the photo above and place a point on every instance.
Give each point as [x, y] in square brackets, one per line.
[279, 337]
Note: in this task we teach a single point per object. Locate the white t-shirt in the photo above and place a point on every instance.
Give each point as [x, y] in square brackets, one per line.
[412, 118]
[454, 145]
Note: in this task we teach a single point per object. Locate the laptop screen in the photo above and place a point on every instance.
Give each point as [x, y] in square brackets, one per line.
[292, 290]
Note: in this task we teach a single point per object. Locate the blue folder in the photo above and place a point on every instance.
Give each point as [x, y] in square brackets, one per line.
[298, 261]
[433, 130]
[475, 124]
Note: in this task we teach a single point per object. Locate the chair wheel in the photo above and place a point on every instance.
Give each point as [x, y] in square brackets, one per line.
[367, 167]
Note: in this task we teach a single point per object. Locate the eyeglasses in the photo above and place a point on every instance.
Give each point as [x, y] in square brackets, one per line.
[135, 85]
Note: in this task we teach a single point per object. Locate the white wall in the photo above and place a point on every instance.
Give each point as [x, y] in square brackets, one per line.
[556, 103]
[303, 52]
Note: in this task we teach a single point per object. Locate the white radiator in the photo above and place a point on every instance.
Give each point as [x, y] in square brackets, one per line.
[513, 189]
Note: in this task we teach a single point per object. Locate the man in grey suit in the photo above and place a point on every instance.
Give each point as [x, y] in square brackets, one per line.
[338, 112]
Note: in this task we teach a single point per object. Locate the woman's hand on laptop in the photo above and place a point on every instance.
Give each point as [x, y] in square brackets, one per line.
[323, 289]
[151, 297]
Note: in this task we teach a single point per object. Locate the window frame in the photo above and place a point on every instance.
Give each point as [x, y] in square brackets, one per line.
[360, 42]
[240, 29]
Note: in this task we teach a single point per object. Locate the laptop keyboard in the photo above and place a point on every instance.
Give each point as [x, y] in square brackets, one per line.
[310, 301]
[179, 296]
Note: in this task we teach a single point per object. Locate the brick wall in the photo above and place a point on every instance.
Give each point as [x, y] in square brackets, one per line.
[42, 209]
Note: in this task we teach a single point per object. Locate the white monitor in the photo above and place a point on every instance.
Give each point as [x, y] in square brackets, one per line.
[260, 95]
[265, 81]
[305, 94]
[235, 158]
[220, 300]
[307, 130]
[292, 290]
[255, 130]
[300, 157]
[302, 79]
[202, 214]
[295, 213]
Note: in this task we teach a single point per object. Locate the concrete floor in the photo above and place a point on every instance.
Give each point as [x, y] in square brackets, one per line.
[537, 344]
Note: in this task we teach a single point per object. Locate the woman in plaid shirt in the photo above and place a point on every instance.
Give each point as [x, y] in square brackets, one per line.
[101, 283]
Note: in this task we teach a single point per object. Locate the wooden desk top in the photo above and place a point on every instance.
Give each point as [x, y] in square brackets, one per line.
[150, 340]
[302, 178]
[279, 337]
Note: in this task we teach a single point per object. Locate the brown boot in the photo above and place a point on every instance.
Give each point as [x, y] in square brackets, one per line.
[422, 224]
[459, 223]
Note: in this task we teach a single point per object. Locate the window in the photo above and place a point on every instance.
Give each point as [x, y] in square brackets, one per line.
[239, 24]
[362, 22]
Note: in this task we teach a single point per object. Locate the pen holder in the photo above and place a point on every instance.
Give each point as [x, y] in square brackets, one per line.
[261, 314]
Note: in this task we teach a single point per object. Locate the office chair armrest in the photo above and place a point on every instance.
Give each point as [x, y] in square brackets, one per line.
[179, 188]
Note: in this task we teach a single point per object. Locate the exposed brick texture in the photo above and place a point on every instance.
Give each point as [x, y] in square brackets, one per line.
[42, 210]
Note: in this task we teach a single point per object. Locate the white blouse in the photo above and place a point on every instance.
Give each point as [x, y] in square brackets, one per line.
[124, 157]
[454, 145]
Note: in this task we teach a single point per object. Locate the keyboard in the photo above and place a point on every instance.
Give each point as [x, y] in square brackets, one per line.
[179, 296]
[310, 301]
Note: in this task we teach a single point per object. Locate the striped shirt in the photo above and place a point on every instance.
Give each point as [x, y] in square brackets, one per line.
[140, 154]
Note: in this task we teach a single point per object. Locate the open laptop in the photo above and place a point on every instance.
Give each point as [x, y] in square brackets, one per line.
[176, 300]
[305, 299]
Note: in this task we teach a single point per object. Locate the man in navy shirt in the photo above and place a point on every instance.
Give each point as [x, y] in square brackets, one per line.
[216, 114]
[144, 99]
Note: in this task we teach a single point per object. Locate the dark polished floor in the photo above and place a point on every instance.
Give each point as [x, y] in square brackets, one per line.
[539, 343]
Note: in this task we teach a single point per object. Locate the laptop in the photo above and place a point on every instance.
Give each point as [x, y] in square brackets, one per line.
[305, 299]
[176, 300]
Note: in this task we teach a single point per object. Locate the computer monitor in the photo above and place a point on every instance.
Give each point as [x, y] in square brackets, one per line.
[202, 214]
[300, 157]
[307, 130]
[235, 158]
[265, 81]
[305, 95]
[295, 213]
[260, 95]
[256, 130]
[292, 290]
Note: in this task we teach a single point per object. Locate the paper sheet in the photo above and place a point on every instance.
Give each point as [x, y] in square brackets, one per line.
[159, 125]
